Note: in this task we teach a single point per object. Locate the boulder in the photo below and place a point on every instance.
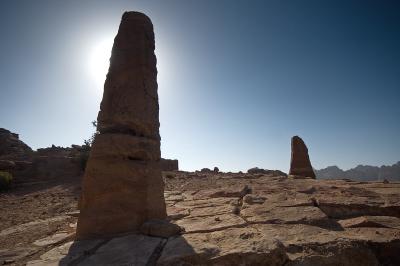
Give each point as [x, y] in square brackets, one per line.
[300, 165]
[160, 228]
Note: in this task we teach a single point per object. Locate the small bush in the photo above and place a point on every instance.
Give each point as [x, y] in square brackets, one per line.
[5, 180]
[83, 158]
[87, 145]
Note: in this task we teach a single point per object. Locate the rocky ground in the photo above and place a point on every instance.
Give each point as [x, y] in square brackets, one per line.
[228, 219]
[33, 211]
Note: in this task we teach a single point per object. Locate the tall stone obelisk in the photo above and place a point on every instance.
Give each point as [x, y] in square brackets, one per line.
[122, 186]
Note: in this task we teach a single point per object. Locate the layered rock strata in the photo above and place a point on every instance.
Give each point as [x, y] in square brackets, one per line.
[122, 186]
[300, 164]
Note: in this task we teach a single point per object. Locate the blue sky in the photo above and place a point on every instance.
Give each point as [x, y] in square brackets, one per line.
[237, 79]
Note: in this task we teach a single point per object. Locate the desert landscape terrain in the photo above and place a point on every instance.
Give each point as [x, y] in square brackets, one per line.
[115, 201]
[228, 219]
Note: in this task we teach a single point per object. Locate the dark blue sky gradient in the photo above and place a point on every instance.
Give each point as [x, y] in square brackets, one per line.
[237, 79]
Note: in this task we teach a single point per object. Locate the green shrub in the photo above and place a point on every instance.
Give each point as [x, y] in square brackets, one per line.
[83, 158]
[87, 145]
[5, 180]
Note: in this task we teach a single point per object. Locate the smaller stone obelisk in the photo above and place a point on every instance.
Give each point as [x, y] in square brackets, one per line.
[300, 164]
[122, 186]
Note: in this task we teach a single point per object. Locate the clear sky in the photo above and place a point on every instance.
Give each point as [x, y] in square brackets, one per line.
[237, 79]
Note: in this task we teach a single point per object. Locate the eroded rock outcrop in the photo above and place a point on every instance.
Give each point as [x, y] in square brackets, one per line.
[122, 186]
[49, 163]
[300, 164]
[12, 148]
[256, 170]
[15, 156]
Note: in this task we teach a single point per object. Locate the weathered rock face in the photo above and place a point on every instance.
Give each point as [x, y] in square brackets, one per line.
[26, 165]
[130, 99]
[169, 165]
[300, 164]
[53, 167]
[122, 186]
[12, 148]
[57, 162]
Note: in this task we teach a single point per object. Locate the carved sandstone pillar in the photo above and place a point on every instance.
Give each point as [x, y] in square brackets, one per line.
[122, 185]
[300, 164]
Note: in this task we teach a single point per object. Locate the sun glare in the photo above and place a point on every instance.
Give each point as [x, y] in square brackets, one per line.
[100, 60]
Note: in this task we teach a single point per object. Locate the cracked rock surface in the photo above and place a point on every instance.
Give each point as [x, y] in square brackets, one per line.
[284, 223]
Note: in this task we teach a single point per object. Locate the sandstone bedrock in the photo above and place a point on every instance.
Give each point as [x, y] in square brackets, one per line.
[247, 219]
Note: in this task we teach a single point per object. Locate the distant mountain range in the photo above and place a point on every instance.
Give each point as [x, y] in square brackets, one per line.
[362, 173]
